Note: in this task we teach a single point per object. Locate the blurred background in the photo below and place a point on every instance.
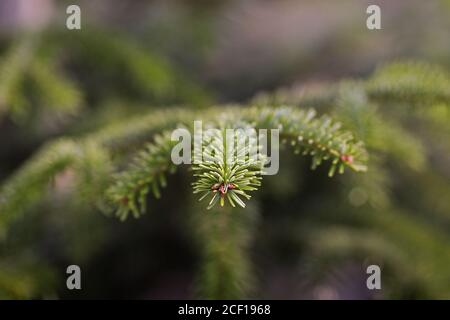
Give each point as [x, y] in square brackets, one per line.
[312, 237]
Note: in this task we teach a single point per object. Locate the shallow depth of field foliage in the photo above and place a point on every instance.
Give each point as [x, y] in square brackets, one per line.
[86, 176]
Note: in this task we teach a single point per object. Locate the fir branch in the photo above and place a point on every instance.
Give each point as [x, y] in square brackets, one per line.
[147, 173]
[311, 95]
[53, 90]
[410, 82]
[13, 68]
[381, 134]
[93, 172]
[144, 74]
[405, 83]
[224, 236]
[30, 183]
[28, 80]
[228, 177]
[320, 138]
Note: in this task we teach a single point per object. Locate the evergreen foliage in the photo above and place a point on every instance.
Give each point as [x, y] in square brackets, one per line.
[121, 166]
[29, 81]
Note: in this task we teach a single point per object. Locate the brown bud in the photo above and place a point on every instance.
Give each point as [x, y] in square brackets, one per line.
[347, 158]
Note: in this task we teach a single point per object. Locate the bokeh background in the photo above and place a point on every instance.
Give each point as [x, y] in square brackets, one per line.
[312, 237]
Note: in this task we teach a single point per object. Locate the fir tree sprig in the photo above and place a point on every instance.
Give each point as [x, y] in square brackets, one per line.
[224, 237]
[228, 174]
[147, 173]
[13, 67]
[31, 182]
[321, 138]
[29, 80]
[411, 82]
